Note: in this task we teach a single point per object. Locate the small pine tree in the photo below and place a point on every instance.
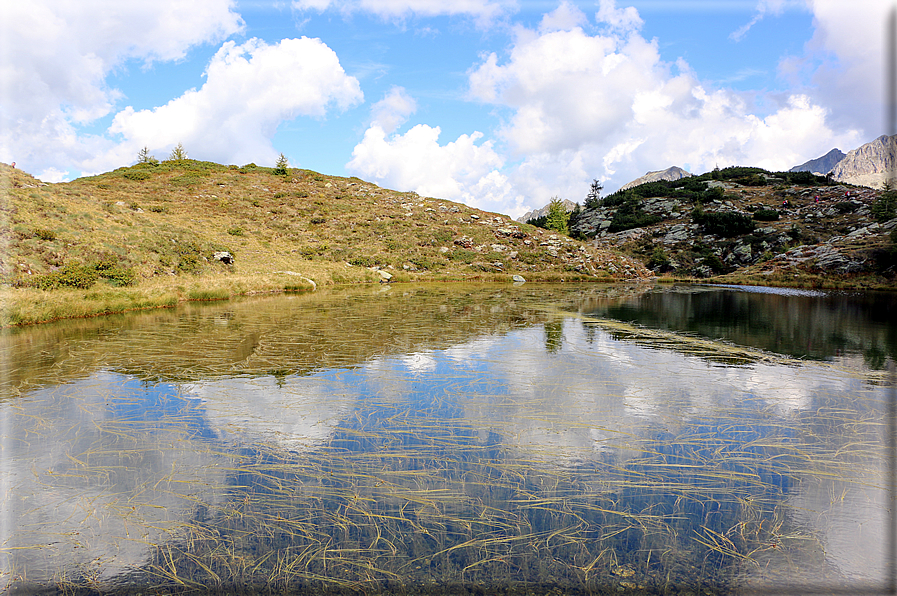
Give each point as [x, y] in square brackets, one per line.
[178, 153]
[557, 216]
[282, 164]
[144, 157]
[593, 198]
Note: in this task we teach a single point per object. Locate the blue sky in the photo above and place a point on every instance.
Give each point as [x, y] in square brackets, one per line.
[501, 104]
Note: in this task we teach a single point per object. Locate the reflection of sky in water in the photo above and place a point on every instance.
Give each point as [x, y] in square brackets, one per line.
[97, 471]
[102, 468]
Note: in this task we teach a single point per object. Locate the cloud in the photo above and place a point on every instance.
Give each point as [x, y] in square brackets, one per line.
[483, 10]
[393, 110]
[249, 90]
[625, 19]
[845, 62]
[583, 106]
[460, 170]
[56, 56]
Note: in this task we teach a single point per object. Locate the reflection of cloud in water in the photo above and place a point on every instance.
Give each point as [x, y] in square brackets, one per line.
[294, 412]
[610, 387]
[95, 472]
[419, 362]
[611, 394]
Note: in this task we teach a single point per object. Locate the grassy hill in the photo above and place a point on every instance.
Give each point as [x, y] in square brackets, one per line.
[146, 235]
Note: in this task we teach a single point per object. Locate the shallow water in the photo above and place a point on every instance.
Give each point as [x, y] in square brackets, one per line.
[438, 439]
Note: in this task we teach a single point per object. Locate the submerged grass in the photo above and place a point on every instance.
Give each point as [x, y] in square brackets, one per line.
[423, 489]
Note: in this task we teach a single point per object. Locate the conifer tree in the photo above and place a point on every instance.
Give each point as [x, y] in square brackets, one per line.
[178, 153]
[282, 164]
[557, 216]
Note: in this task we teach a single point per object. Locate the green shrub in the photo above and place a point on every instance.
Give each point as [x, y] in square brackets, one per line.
[70, 276]
[44, 234]
[363, 261]
[766, 215]
[157, 209]
[189, 256]
[119, 276]
[723, 223]
[235, 231]
[318, 220]
[658, 259]
[136, 175]
[885, 206]
[630, 215]
[845, 207]
[302, 194]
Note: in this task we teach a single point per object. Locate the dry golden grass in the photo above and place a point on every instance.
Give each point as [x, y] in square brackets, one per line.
[165, 222]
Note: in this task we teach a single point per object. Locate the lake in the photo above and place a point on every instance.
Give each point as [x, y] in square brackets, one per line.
[455, 439]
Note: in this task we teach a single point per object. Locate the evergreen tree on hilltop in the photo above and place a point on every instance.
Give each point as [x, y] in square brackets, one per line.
[593, 198]
[282, 164]
[178, 153]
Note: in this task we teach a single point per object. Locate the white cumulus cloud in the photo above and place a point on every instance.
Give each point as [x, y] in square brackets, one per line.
[393, 110]
[249, 90]
[55, 57]
[605, 105]
[460, 170]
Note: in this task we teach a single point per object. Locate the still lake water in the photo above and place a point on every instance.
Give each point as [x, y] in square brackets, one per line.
[448, 439]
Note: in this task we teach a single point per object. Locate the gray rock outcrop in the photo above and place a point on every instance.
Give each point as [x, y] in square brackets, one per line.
[870, 165]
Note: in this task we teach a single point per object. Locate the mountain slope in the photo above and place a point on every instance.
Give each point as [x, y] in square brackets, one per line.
[779, 227]
[821, 165]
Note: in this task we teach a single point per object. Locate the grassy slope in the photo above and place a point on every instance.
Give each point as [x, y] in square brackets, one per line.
[164, 222]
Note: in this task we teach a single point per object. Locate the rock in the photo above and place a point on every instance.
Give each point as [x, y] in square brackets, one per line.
[224, 256]
[385, 276]
[742, 253]
[518, 279]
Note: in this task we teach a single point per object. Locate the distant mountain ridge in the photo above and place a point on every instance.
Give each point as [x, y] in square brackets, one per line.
[671, 173]
[542, 212]
[821, 165]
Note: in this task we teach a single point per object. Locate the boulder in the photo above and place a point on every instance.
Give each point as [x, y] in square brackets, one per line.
[224, 256]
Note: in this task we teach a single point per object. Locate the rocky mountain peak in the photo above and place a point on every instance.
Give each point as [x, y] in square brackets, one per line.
[821, 165]
[869, 165]
[671, 173]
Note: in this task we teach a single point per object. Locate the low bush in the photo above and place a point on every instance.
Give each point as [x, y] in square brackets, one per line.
[119, 276]
[44, 234]
[723, 223]
[846, 207]
[766, 215]
[363, 261]
[136, 175]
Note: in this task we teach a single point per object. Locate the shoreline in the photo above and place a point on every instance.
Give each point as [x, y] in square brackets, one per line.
[22, 307]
